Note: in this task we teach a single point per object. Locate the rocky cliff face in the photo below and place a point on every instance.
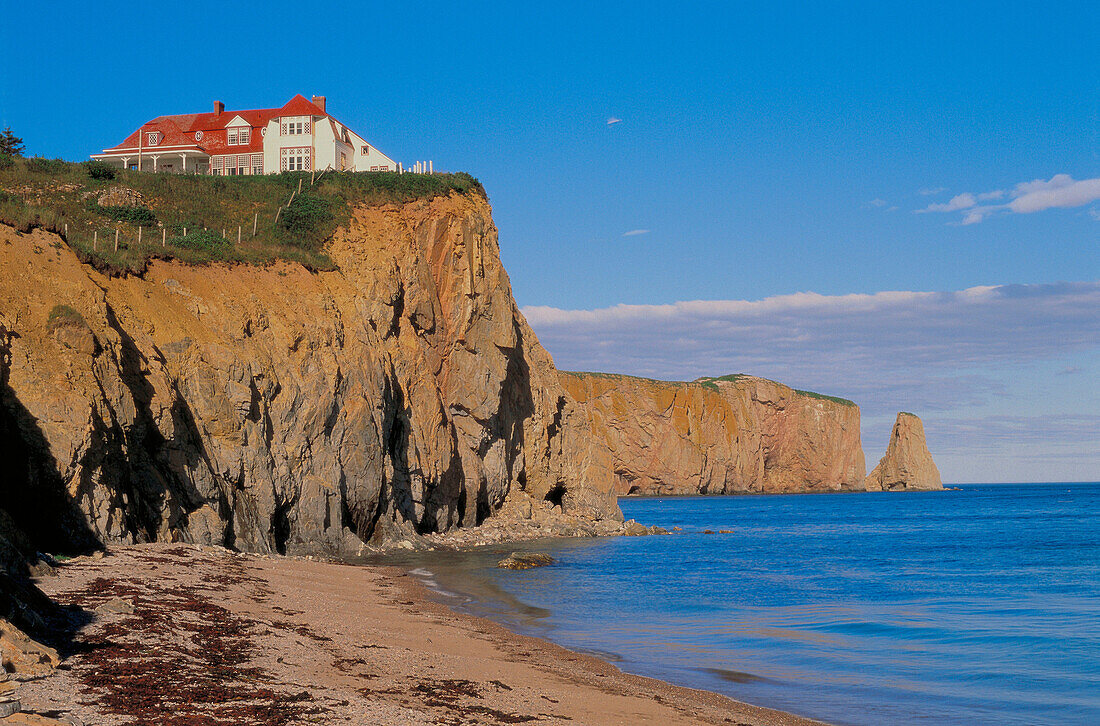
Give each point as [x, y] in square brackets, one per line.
[274, 409]
[743, 434]
[907, 464]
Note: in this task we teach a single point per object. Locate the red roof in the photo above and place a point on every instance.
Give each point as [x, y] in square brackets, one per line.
[180, 131]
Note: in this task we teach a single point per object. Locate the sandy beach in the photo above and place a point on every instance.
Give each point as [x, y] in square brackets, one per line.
[179, 635]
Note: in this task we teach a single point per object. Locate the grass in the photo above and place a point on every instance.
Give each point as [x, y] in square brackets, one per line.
[823, 397]
[710, 382]
[51, 193]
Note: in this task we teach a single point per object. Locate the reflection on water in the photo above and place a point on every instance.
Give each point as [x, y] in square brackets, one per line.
[969, 607]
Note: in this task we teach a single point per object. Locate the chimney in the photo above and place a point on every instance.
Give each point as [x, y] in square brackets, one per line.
[319, 102]
[219, 108]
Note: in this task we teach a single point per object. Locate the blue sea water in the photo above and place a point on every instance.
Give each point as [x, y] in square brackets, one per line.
[979, 606]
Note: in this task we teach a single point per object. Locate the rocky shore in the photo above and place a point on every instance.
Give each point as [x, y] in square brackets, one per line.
[174, 634]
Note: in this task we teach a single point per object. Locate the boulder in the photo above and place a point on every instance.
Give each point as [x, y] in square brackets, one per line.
[22, 656]
[525, 561]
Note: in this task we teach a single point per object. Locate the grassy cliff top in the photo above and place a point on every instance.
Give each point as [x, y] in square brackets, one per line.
[93, 198]
[710, 382]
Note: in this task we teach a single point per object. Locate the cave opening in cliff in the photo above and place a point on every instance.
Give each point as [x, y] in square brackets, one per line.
[555, 495]
[280, 527]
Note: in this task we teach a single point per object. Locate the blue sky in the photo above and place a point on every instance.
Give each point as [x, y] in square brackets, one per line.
[764, 150]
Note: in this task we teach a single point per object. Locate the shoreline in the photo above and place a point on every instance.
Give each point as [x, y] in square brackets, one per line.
[185, 632]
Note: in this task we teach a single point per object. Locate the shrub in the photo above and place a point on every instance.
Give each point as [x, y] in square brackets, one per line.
[63, 315]
[100, 170]
[39, 165]
[7, 161]
[203, 240]
[139, 216]
[309, 218]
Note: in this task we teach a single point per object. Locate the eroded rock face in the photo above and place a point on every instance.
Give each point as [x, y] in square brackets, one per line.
[747, 434]
[907, 464]
[274, 409]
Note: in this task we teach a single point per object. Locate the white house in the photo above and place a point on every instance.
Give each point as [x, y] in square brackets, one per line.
[299, 136]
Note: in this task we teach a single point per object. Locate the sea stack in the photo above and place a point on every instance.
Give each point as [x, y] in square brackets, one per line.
[907, 464]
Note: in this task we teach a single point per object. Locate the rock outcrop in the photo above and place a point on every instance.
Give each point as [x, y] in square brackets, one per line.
[274, 409]
[719, 435]
[907, 464]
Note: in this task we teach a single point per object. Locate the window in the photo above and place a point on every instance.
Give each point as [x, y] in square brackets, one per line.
[366, 150]
[296, 159]
[239, 136]
[152, 138]
[216, 165]
[257, 164]
[294, 125]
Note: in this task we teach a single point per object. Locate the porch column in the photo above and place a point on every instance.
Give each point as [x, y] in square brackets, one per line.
[125, 162]
[155, 157]
[183, 160]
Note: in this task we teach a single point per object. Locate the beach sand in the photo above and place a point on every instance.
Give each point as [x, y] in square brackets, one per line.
[219, 638]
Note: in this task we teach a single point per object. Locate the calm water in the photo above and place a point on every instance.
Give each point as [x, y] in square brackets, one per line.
[980, 606]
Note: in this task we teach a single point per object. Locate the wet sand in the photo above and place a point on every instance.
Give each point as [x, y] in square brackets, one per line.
[217, 638]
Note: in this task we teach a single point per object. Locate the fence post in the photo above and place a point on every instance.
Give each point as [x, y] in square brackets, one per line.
[163, 236]
[116, 239]
[66, 231]
[139, 234]
[299, 188]
[95, 240]
[185, 231]
[255, 221]
[238, 234]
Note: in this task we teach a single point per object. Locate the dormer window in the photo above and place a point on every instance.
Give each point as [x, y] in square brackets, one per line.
[152, 138]
[239, 136]
[294, 125]
[366, 150]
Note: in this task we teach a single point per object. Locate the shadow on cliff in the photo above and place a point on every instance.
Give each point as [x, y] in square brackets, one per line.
[31, 489]
[142, 467]
[515, 405]
[397, 503]
[36, 516]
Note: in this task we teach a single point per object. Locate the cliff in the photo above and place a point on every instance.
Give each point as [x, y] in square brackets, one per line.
[719, 435]
[271, 408]
[908, 463]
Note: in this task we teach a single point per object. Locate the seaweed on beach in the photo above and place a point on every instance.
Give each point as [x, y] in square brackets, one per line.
[180, 659]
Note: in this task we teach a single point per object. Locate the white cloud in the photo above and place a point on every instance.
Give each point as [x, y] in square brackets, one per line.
[960, 201]
[635, 232]
[1061, 190]
[878, 202]
[925, 347]
[931, 191]
[612, 121]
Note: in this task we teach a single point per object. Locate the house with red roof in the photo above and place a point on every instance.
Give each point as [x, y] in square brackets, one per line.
[299, 136]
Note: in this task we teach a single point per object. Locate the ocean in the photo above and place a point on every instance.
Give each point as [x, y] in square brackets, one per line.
[979, 606]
